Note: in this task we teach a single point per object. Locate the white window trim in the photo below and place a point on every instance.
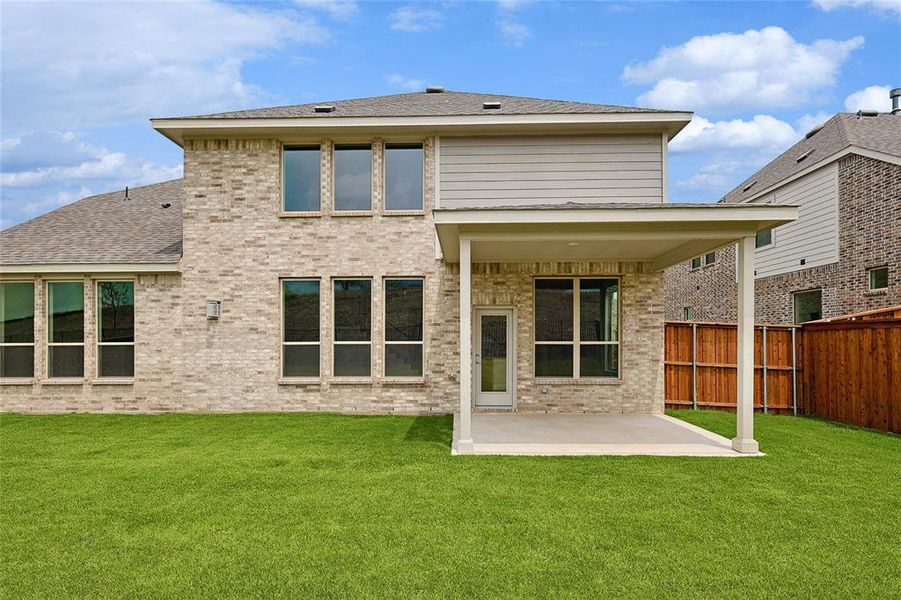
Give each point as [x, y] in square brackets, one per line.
[334, 171]
[401, 211]
[23, 344]
[870, 287]
[283, 343]
[362, 378]
[47, 310]
[386, 342]
[97, 321]
[299, 213]
[577, 331]
[692, 267]
[772, 241]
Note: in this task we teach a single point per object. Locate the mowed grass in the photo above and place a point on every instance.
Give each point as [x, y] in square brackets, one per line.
[312, 505]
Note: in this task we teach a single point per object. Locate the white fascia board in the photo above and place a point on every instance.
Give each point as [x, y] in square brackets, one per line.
[90, 268]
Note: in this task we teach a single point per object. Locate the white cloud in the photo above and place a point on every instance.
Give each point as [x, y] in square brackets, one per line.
[874, 97]
[512, 5]
[515, 33]
[406, 82]
[76, 64]
[736, 71]
[337, 9]
[414, 19]
[761, 132]
[808, 121]
[891, 6]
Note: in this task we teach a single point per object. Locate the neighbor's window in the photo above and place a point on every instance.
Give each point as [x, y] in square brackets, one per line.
[300, 328]
[403, 176]
[17, 329]
[403, 327]
[302, 179]
[353, 177]
[577, 327]
[710, 258]
[688, 313]
[808, 306]
[878, 278]
[65, 329]
[352, 350]
[696, 262]
[115, 329]
[763, 238]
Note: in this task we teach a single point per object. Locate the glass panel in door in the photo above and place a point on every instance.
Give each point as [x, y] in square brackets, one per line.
[494, 353]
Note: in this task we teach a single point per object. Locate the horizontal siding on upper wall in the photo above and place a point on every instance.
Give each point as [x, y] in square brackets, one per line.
[520, 170]
[814, 236]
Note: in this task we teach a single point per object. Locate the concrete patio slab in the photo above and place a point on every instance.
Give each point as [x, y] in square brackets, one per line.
[591, 435]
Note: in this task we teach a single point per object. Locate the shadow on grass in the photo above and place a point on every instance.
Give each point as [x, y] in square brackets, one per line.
[431, 430]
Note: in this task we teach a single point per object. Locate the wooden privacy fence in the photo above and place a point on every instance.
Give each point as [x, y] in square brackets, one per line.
[700, 366]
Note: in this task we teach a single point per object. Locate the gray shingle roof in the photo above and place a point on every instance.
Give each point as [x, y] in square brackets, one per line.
[423, 104]
[881, 133]
[102, 229]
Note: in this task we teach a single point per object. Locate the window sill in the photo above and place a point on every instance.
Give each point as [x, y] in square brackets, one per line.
[351, 381]
[112, 381]
[17, 381]
[352, 213]
[300, 381]
[573, 381]
[64, 381]
[403, 213]
[300, 214]
[879, 292]
[404, 381]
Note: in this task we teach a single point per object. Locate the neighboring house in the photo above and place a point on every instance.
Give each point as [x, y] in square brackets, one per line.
[842, 255]
[343, 256]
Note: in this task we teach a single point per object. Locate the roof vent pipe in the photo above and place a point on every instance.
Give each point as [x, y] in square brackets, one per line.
[895, 95]
[434, 89]
[868, 113]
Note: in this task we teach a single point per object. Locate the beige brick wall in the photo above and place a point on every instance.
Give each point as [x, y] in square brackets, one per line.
[237, 247]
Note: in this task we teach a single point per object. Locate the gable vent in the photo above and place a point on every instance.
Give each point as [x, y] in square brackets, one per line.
[324, 108]
[805, 155]
[491, 105]
[749, 186]
[434, 89]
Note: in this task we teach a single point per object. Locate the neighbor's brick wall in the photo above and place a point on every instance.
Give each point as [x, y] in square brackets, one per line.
[869, 236]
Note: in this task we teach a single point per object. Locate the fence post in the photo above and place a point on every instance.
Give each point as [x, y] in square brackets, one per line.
[794, 373]
[765, 395]
[694, 366]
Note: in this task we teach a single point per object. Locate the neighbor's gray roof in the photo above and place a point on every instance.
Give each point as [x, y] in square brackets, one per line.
[881, 133]
[423, 104]
[102, 229]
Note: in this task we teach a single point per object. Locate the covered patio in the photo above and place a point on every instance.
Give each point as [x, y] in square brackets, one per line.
[656, 236]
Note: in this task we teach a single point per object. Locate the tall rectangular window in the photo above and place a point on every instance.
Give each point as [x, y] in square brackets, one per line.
[300, 328]
[353, 177]
[301, 187]
[808, 306]
[65, 329]
[17, 329]
[577, 327]
[403, 327]
[115, 329]
[403, 176]
[352, 351]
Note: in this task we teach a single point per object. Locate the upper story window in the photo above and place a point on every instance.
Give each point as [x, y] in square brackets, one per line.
[115, 329]
[403, 177]
[763, 238]
[353, 177]
[17, 329]
[710, 258]
[878, 278]
[696, 262]
[301, 189]
[65, 329]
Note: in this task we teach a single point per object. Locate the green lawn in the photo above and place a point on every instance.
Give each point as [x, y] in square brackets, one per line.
[325, 505]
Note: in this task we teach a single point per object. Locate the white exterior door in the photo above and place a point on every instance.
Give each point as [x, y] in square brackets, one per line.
[494, 359]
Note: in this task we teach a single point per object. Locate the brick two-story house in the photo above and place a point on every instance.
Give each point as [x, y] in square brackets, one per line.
[343, 256]
[842, 255]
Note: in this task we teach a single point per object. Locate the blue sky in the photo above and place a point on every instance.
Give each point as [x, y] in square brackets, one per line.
[81, 79]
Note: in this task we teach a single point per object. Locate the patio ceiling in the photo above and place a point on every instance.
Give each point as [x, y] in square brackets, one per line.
[661, 234]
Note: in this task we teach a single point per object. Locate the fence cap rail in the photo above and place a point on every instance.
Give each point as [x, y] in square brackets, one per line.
[866, 315]
[725, 324]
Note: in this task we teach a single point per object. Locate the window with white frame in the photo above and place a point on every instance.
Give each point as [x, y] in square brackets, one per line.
[16, 329]
[878, 278]
[300, 328]
[688, 313]
[696, 262]
[577, 327]
[763, 238]
[115, 329]
[710, 258]
[403, 327]
[301, 172]
[65, 329]
[352, 327]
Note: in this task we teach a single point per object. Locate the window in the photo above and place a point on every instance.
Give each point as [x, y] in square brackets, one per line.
[115, 329]
[688, 313]
[403, 176]
[403, 327]
[577, 328]
[353, 178]
[808, 306]
[301, 179]
[878, 278]
[763, 238]
[696, 262]
[300, 328]
[710, 258]
[65, 331]
[353, 327]
[17, 329]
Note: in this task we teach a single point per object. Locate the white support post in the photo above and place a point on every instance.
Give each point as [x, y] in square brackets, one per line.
[744, 438]
[464, 441]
